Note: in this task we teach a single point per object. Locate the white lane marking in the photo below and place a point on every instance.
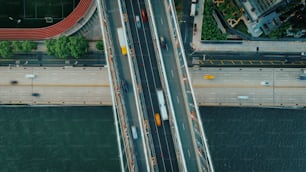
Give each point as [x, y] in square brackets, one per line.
[183, 126]
[161, 21]
[177, 99]
[188, 153]
[172, 73]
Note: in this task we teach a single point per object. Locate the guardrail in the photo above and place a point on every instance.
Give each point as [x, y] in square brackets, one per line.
[118, 105]
[203, 158]
[162, 73]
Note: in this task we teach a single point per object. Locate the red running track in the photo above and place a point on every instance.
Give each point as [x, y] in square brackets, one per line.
[47, 32]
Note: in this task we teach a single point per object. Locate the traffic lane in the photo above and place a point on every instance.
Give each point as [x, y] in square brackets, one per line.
[147, 61]
[176, 90]
[124, 72]
[172, 156]
[144, 81]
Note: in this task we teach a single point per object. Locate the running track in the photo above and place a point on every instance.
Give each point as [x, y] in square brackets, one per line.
[50, 31]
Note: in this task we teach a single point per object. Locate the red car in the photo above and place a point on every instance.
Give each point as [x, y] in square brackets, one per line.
[144, 15]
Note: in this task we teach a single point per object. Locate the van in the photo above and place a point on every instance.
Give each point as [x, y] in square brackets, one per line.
[138, 22]
[144, 15]
[134, 132]
[157, 119]
[243, 97]
[30, 76]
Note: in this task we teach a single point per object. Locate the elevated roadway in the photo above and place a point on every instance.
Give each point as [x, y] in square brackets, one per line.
[56, 85]
[284, 89]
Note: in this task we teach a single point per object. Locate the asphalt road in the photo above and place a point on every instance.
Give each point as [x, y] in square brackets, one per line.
[125, 74]
[145, 56]
[284, 88]
[55, 85]
[175, 86]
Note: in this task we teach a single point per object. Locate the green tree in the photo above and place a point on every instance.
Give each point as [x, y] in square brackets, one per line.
[99, 45]
[28, 46]
[50, 44]
[62, 47]
[5, 49]
[78, 46]
[16, 46]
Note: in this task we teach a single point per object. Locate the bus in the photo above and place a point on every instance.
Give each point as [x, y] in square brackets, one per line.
[162, 106]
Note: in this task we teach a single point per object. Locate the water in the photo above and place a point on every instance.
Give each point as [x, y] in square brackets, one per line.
[37, 139]
[84, 139]
[256, 139]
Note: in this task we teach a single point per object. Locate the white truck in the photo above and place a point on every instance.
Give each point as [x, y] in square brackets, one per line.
[122, 41]
[162, 105]
[193, 9]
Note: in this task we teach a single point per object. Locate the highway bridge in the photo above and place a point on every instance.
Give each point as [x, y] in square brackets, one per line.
[138, 64]
[73, 86]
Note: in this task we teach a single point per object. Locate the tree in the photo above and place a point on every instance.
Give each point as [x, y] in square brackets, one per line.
[99, 45]
[5, 49]
[16, 46]
[50, 44]
[78, 46]
[62, 47]
[28, 46]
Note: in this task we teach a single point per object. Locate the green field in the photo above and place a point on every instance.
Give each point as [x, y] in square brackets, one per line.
[40, 139]
[32, 13]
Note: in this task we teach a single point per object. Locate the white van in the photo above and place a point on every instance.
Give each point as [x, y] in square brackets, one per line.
[243, 97]
[134, 132]
[138, 22]
[30, 76]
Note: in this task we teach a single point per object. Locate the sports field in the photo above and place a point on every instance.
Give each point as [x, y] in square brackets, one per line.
[34, 13]
[58, 139]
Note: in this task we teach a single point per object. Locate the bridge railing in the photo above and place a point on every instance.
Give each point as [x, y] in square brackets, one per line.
[203, 158]
[125, 146]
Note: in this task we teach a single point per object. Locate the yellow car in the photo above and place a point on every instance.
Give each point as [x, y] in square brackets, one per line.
[209, 77]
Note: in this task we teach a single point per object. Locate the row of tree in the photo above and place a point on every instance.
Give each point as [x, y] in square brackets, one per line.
[62, 47]
[7, 48]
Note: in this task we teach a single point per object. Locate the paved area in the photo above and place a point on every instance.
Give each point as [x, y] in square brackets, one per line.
[245, 46]
[284, 88]
[66, 86]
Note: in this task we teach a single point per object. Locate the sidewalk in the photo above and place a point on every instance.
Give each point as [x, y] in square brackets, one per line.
[41, 47]
[245, 46]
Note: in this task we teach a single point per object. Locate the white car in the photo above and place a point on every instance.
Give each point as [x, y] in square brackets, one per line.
[265, 83]
[30, 76]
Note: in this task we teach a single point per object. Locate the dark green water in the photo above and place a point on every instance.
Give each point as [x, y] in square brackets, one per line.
[256, 140]
[58, 139]
[83, 139]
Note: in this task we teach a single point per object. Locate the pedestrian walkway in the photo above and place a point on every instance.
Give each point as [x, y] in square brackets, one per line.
[240, 46]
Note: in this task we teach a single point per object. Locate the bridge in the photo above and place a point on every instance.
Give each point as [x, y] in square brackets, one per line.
[179, 144]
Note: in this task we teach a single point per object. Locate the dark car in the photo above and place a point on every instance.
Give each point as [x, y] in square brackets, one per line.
[124, 86]
[14, 82]
[163, 42]
[35, 94]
